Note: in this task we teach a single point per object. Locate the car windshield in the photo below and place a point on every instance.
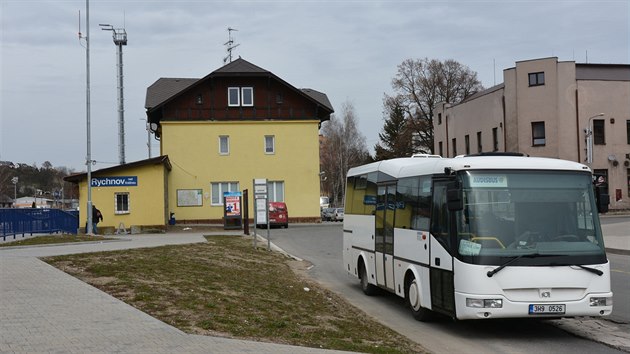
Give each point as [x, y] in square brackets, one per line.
[509, 214]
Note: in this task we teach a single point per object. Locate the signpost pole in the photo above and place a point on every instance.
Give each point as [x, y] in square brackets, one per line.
[268, 226]
[261, 209]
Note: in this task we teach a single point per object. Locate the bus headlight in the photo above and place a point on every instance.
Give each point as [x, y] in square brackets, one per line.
[484, 303]
[601, 301]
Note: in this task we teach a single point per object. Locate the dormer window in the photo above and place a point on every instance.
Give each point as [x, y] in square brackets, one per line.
[240, 96]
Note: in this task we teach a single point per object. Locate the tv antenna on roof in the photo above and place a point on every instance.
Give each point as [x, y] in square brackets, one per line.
[230, 45]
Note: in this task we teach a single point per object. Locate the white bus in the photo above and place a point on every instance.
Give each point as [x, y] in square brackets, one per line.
[476, 237]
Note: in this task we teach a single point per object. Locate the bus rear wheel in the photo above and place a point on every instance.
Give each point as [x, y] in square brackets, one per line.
[413, 300]
[368, 289]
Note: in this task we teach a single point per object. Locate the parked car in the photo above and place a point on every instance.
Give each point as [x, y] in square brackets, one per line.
[327, 214]
[278, 215]
[338, 215]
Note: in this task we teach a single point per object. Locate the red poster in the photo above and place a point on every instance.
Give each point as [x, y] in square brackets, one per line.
[232, 206]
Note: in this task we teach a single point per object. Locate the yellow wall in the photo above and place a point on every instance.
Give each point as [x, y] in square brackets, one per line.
[193, 149]
[146, 200]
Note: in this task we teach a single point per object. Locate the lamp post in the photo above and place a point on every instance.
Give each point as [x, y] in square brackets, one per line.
[148, 128]
[88, 156]
[14, 180]
[589, 139]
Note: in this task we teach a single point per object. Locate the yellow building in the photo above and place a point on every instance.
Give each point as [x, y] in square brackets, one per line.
[133, 194]
[217, 134]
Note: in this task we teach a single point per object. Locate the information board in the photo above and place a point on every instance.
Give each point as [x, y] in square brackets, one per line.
[189, 197]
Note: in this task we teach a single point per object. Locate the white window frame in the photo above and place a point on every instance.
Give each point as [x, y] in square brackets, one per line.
[227, 143]
[238, 97]
[251, 96]
[221, 187]
[118, 211]
[275, 191]
[273, 145]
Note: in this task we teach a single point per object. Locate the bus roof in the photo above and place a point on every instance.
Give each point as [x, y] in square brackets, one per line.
[404, 167]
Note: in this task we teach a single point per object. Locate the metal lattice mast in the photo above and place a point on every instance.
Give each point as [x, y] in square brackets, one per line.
[120, 39]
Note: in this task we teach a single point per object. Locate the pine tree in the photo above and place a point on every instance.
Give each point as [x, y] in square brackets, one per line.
[395, 139]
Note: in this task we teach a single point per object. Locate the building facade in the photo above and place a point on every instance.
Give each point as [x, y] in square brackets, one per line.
[549, 108]
[237, 124]
[217, 134]
[133, 194]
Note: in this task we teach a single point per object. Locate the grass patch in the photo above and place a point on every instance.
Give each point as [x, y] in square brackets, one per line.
[227, 288]
[52, 239]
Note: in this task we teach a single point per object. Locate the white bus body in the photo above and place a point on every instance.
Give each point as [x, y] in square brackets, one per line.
[478, 237]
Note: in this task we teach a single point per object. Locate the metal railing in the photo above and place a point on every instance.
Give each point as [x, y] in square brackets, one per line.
[31, 221]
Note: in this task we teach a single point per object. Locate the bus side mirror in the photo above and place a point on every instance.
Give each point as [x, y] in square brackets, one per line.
[454, 197]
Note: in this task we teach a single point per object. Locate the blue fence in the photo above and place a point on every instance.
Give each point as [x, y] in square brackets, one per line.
[36, 221]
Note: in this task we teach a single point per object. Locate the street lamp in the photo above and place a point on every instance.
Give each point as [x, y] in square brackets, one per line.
[148, 128]
[589, 139]
[14, 180]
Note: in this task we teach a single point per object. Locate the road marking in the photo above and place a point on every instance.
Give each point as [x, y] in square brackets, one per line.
[620, 271]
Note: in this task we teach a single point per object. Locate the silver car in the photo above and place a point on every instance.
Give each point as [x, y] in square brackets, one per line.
[338, 215]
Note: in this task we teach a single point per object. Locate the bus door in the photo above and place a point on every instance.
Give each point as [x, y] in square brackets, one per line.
[384, 215]
[441, 269]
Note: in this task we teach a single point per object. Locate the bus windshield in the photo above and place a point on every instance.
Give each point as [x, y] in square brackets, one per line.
[549, 214]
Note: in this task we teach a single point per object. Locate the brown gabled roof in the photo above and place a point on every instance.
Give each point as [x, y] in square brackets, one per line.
[241, 66]
[165, 89]
[76, 178]
[319, 97]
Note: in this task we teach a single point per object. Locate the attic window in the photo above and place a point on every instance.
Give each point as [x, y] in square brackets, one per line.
[248, 96]
[234, 99]
[240, 96]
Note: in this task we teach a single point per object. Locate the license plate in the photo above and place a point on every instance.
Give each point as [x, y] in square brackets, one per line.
[539, 309]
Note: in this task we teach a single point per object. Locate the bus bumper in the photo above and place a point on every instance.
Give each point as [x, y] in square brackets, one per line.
[469, 307]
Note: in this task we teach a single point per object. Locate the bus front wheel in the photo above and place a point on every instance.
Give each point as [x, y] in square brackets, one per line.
[413, 300]
[368, 289]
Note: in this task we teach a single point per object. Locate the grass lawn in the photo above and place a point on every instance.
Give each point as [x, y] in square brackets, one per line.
[227, 288]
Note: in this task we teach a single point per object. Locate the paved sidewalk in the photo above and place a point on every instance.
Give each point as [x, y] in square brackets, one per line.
[43, 309]
[616, 234]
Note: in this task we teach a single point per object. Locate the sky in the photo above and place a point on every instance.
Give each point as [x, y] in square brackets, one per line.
[347, 49]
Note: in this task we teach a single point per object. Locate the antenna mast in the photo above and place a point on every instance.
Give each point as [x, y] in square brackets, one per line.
[119, 36]
[230, 46]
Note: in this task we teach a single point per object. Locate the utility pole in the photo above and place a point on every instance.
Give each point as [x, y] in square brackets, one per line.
[88, 157]
[120, 39]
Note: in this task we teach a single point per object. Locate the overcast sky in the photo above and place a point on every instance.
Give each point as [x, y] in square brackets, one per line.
[349, 50]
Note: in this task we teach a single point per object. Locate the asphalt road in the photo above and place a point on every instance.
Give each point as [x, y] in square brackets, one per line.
[322, 245]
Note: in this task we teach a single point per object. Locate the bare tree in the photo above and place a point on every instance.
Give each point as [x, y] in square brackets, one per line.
[343, 147]
[422, 83]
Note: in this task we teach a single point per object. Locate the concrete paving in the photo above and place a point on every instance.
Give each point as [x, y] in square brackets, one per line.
[44, 310]
[616, 234]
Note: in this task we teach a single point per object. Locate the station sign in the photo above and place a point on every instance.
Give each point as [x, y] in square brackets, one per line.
[121, 181]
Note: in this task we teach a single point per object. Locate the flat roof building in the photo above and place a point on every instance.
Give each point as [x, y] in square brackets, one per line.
[549, 108]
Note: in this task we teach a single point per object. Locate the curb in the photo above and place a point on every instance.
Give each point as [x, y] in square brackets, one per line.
[618, 251]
